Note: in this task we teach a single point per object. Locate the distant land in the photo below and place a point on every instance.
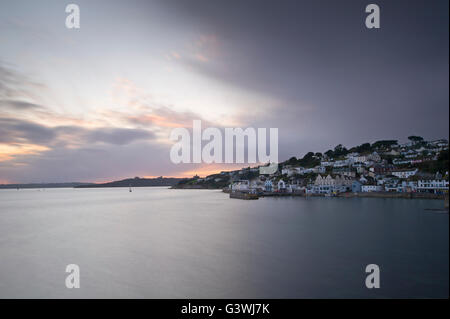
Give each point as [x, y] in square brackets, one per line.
[42, 185]
[133, 182]
[136, 182]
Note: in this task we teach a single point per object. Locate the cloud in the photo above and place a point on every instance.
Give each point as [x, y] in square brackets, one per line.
[165, 117]
[11, 151]
[39, 144]
[18, 131]
[14, 85]
[337, 81]
[117, 136]
[15, 131]
[19, 105]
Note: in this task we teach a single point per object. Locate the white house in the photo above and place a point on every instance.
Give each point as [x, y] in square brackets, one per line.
[289, 171]
[243, 185]
[404, 173]
[409, 186]
[320, 169]
[392, 152]
[374, 157]
[434, 185]
[289, 188]
[342, 163]
[329, 184]
[257, 184]
[322, 189]
[439, 144]
[393, 187]
[371, 188]
[401, 162]
[360, 169]
[281, 185]
[360, 158]
[345, 171]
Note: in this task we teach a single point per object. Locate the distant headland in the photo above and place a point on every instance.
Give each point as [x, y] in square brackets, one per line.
[129, 182]
[137, 182]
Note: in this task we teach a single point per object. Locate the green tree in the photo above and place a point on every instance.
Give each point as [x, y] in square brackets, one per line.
[340, 150]
[414, 138]
[292, 161]
[383, 144]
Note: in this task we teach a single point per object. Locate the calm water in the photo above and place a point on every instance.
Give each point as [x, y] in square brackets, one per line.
[161, 243]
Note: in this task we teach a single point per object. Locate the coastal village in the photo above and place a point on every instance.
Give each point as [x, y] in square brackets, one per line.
[384, 167]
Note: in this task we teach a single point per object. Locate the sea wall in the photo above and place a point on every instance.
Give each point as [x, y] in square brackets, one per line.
[394, 195]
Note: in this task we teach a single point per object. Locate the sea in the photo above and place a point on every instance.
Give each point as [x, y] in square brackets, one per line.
[156, 242]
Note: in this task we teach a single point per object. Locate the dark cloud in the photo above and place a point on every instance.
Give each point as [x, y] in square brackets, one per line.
[19, 105]
[15, 94]
[8, 79]
[15, 86]
[336, 80]
[20, 131]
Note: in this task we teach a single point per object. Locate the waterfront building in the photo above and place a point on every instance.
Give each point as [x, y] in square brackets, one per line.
[243, 185]
[356, 187]
[281, 186]
[409, 186]
[371, 188]
[433, 185]
[393, 186]
[268, 186]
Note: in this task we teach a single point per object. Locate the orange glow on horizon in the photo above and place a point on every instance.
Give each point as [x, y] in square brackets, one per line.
[210, 169]
[10, 151]
[207, 169]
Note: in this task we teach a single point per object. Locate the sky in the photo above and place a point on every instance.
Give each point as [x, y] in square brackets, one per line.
[98, 103]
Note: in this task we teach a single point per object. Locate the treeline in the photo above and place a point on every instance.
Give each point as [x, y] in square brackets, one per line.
[441, 165]
[136, 182]
[313, 159]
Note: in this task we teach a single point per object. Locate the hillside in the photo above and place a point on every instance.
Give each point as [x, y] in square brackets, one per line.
[137, 182]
